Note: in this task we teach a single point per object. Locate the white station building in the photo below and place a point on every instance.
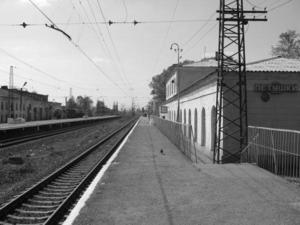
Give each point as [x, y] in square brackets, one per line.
[273, 90]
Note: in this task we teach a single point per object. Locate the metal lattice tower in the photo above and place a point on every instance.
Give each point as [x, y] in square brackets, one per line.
[231, 135]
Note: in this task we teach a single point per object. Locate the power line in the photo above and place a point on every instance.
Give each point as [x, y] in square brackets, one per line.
[165, 37]
[255, 5]
[104, 42]
[27, 78]
[80, 50]
[112, 22]
[98, 34]
[203, 36]
[280, 5]
[126, 10]
[38, 70]
[200, 29]
[113, 44]
[44, 14]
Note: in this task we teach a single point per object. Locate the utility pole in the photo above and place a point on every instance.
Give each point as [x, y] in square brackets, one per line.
[231, 135]
[178, 50]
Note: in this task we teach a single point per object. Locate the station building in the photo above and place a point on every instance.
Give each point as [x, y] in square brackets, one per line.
[23, 104]
[273, 91]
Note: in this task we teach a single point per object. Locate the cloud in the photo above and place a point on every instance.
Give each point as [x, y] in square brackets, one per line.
[41, 3]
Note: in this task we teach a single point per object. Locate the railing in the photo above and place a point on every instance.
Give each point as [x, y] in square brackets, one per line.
[276, 150]
[181, 135]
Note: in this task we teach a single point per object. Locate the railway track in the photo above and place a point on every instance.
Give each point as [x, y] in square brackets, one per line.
[50, 200]
[35, 136]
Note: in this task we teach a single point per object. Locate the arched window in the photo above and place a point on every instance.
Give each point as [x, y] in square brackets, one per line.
[180, 115]
[190, 123]
[203, 127]
[195, 125]
[184, 121]
[213, 127]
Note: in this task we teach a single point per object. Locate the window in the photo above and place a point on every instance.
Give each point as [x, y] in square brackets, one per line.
[184, 121]
[1, 107]
[180, 116]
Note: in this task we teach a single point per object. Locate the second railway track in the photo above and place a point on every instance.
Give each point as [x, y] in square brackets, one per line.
[49, 201]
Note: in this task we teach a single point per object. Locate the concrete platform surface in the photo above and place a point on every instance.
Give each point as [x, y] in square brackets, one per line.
[7, 126]
[144, 186]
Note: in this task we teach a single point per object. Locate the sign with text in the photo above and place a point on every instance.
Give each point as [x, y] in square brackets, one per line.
[276, 88]
[163, 109]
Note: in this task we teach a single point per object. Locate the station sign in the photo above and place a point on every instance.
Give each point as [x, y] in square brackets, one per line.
[163, 109]
[276, 88]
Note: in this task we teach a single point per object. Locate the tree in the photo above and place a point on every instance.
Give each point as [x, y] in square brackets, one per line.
[84, 104]
[288, 45]
[100, 108]
[57, 114]
[71, 108]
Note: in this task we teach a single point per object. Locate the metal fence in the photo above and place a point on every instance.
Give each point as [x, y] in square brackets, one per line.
[276, 150]
[181, 135]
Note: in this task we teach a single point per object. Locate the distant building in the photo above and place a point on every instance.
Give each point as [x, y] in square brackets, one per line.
[31, 106]
[273, 90]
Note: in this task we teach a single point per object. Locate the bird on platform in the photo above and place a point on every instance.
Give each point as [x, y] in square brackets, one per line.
[162, 151]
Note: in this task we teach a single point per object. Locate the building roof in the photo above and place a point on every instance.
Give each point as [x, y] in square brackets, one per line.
[275, 64]
[209, 62]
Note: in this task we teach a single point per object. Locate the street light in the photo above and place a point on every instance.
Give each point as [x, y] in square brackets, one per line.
[176, 48]
[21, 93]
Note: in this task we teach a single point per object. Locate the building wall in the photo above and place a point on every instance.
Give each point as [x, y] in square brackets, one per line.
[171, 86]
[282, 110]
[196, 108]
[33, 108]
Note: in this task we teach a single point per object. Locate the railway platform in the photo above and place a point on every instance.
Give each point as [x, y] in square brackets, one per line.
[4, 127]
[151, 182]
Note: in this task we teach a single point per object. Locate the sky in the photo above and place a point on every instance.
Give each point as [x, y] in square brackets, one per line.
[116, 63]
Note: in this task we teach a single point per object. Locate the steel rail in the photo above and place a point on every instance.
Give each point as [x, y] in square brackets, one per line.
[10, 209]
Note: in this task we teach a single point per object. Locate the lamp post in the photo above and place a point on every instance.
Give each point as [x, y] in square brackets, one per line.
[178, 50]
[21, 95]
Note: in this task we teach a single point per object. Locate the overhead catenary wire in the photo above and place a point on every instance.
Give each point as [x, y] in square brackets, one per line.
[33, 80]
[113, 44]
[113, 22]
[165, 37]
[280, 5]
[200, 29]
[201, 38]
[126, 10]
[40, 70]
[80, 50]
[109, 54]
[98, 34]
